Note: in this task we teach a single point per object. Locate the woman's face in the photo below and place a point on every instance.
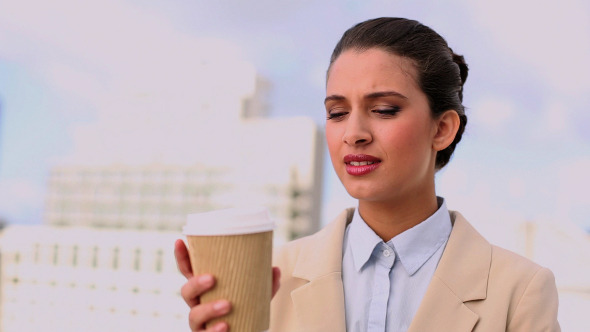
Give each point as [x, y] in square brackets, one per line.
[379, 127]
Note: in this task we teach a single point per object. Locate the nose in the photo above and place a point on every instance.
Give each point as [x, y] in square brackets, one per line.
[357, 130]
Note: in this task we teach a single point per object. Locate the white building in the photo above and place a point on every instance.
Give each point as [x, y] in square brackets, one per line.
[195, 141]
[275, 163]
[103, 259]
[81, 279]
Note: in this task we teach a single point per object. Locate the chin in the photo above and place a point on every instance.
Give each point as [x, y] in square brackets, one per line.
[363, 194]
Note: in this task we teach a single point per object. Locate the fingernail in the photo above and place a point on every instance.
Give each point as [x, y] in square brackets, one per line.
[221, 306]
[220, 327]
[206, 280]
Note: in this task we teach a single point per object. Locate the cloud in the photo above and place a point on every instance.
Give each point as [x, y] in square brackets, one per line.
[20, 201]
[74, 81]
[556, 120]
[550, 37]
[556, 124]
[492, 112]
[112, 47]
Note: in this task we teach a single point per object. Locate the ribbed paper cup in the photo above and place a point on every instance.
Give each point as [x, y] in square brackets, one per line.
[235, 245]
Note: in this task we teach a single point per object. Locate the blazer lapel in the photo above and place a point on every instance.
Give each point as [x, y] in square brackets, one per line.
[461, 276]
[321, 264]
[441, 310]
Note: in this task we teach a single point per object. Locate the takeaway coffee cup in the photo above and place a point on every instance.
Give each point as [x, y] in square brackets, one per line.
[235, 245]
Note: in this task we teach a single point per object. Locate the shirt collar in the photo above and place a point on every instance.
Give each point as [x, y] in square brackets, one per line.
[362, 240]
[413, 247]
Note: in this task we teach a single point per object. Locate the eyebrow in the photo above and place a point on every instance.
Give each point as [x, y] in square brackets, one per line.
[333, 97]
[380, 94]
[372, 95]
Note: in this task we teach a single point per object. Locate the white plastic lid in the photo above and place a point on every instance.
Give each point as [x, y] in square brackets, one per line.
[228, 222]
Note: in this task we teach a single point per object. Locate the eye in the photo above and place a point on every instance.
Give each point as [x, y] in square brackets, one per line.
[336, 114]
[387, 111]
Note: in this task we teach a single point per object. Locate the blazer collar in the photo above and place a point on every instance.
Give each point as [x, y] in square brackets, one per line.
[465, 263]
[320, 263]
[323, 254]
[461, 276]
[464, 271]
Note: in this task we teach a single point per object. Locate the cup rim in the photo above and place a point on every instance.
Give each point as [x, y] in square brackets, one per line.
[231, 221]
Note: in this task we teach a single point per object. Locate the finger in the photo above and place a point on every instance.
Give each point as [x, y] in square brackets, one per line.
[205, 312]
[182, 259]
[276, 280]
[195, 287]
[219, 327]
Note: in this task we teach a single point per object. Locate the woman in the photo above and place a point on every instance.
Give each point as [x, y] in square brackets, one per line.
[400, 261]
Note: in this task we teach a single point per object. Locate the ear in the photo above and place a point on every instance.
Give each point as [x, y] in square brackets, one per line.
[447, 126]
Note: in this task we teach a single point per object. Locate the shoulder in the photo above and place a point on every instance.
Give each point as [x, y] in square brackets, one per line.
[526, 289]
[464, 235]
[516, 275]
[517, 289]
[529, 287]
[303, 260]
[507, 264]
[286, 256]
[504, 265]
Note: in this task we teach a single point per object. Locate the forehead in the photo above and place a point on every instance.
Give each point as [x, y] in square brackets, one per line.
[372, 69]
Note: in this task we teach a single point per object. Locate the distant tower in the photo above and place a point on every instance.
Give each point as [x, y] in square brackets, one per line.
[3, 221]
[256, 105]
[1, 132]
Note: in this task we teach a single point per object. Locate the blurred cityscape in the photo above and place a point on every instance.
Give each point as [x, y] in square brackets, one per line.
[102, 259]
[117, 118]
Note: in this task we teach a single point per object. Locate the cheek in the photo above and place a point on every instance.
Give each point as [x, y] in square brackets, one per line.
[332, 140]
[333, 137]
[406, 142]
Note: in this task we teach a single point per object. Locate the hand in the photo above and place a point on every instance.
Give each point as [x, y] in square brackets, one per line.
[197, 285]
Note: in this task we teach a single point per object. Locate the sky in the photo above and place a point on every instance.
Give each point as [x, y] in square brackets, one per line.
[524, 157]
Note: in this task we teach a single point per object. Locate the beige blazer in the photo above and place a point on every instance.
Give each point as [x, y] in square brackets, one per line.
[476, 286]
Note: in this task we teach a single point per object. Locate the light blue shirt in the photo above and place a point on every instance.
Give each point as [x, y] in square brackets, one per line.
[384, 283]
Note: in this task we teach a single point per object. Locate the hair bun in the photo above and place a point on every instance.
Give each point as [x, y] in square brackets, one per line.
[460, 61]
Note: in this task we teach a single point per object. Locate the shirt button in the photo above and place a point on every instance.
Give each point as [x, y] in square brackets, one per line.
[386, 253]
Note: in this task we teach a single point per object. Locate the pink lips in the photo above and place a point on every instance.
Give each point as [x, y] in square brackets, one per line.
[361, 164]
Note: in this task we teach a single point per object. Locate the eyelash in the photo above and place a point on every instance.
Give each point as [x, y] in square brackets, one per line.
[336, 115]
[383, 112]
[388, 111]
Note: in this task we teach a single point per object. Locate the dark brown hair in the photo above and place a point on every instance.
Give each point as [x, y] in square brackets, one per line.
[441, 72]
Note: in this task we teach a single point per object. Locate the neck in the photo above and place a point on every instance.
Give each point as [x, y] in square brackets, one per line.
[388, 219]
